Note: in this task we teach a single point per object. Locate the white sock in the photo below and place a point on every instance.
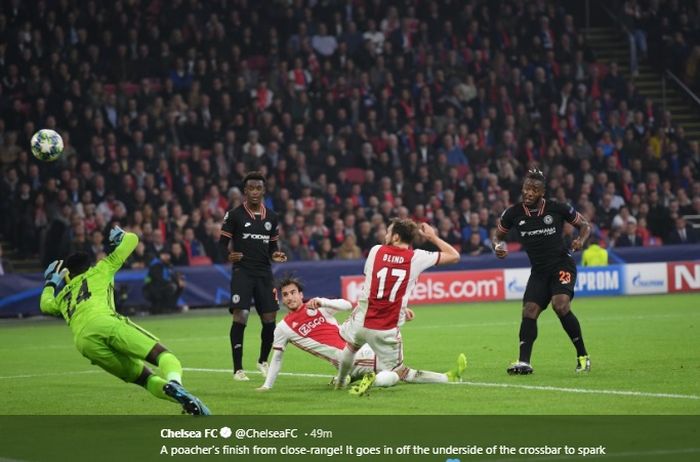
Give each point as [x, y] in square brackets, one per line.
[176, 376]
[415, 376]
[347, 357]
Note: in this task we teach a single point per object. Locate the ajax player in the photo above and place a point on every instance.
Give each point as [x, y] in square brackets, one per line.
[312, 327]
[391, 272]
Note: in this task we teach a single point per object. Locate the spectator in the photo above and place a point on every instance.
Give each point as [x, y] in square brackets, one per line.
[629, 236]
[6, 266]
[594, 255]
[178, 255]
[349, 250]
[163, 286]
[682, 233]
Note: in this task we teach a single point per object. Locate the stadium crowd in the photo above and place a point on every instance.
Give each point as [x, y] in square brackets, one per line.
[355, 111]
[667, 32]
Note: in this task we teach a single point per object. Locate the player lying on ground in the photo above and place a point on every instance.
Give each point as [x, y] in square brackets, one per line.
[84, 296]
[391, 272]
[312, 327]
[539, 223]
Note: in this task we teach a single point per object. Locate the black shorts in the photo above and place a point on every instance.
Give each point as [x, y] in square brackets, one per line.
[245, 287]
[542, 286]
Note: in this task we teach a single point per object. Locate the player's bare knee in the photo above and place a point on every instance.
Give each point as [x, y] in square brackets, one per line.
[561, 307]
[531, 310]
[240, 316]
[269, 317]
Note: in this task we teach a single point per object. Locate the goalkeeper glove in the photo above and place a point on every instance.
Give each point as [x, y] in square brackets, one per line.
[55, 274]
[115, 236]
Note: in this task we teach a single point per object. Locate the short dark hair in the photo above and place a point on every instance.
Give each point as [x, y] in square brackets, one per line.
[535, 174]
[291, 280]
[78, 263]
[406, 229]
[253, 176]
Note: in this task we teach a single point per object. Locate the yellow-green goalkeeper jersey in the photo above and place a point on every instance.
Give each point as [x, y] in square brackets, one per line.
[91, 294]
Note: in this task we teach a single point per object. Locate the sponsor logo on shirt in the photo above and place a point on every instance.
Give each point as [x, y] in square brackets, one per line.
[260, 237]
[306, 328]
[539, 232]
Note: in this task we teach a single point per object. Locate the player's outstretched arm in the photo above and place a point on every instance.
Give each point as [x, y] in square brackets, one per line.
[337, 304]
[448, 254]
[54, 277]
[273, 371]
[125, 243]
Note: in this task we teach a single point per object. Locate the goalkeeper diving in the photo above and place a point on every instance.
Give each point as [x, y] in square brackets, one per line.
[84, 296]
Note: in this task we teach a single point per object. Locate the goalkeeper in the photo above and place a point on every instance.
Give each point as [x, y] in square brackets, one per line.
[84, 296]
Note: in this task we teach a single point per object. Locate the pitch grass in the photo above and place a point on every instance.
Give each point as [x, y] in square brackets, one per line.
[646, 344]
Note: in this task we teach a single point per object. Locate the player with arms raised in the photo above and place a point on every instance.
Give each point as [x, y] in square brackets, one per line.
[391, 272]
[84, 296]
[253, 231]
[539, 223]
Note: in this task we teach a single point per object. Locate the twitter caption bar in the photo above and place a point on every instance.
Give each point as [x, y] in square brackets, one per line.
[239, 443]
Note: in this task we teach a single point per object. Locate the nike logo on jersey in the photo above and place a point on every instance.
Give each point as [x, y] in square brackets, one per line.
[522, 222]
[247, 224]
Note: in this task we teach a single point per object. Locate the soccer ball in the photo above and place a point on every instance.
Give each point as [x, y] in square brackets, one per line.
[47, 145]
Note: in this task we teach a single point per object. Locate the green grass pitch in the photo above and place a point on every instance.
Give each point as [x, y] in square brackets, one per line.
[645, 352]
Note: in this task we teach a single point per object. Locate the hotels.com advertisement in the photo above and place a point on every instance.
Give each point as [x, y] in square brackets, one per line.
[442, 287]
[509, 284]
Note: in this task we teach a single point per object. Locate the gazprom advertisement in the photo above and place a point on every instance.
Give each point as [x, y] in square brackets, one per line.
[604, 280]
[641, 278]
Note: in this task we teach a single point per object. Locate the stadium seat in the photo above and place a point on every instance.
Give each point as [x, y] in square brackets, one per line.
[201, 260]
[355, 175]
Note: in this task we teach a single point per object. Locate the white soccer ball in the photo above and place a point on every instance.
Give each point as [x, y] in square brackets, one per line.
[47, 145]
[386, 379]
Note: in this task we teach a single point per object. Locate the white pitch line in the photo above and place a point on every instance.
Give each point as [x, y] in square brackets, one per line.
[229, 371]
[49, 374]
[641, 394]
[579, 390]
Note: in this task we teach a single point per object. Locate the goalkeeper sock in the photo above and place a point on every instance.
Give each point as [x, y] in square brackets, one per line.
[236, 335]
[267, 335]
[528, 335]
[572, 327]
[155, 386]
[170, 367]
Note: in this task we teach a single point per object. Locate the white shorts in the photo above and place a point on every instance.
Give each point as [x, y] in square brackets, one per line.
[386, 344]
